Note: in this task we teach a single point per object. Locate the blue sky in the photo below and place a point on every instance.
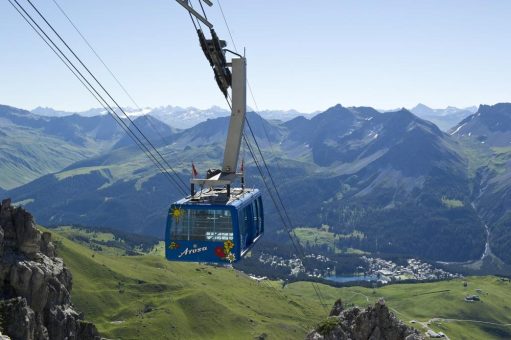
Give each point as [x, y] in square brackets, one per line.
[305, 55]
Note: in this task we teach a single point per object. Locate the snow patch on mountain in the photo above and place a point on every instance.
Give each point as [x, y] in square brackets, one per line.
[175, 116]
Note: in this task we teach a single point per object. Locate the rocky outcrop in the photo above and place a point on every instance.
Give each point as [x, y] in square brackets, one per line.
[374, 323]
[34, 284]
[18, 319]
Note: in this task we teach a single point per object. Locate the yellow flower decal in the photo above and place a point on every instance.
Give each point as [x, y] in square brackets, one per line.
[174, 245]
[177, 213]
[228, 245]
[226, 252]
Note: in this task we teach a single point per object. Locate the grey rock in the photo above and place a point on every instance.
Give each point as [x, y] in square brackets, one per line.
[20, 278]
[28, 237]
[6, 204]
[337, 308]
[374, 323]
[1, 240]
[35, 283]
[87, 330]
[47, 248]
[18, 319]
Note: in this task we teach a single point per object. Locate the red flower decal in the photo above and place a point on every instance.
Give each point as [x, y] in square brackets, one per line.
[219, 251]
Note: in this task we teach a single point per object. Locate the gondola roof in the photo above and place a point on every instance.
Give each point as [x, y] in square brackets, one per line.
[218, 196]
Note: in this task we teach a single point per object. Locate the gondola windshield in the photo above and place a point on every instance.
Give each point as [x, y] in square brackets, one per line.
[199, 224]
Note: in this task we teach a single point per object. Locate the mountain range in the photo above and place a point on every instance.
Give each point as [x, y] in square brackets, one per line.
[176, 116]
[443, 118]
[395, 180]
[183, 118]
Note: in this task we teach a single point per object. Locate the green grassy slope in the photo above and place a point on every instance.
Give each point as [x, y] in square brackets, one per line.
[179, 300]
[323, 237]
[137, 297]
[441, 304]
[26, 154]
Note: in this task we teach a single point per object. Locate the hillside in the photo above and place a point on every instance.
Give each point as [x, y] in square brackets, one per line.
[122, 188]
[486, 137]
[158, 132]
[145, 296]
[490, 125]
[33, 145]
[135, 297]
[389, 178]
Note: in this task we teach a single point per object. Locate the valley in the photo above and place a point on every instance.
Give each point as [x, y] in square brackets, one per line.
[145, 296]
[383, 183]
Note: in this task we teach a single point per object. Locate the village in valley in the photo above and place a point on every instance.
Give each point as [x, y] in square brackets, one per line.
[375, 269]
[388, 271]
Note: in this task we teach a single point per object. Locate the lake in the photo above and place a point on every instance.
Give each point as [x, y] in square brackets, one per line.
[351, 278]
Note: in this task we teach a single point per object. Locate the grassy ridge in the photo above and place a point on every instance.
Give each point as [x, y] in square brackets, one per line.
[323, 237]
[28, 154]
[137, 297]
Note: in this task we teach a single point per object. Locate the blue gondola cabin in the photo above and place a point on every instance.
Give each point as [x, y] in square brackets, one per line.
[208, 227]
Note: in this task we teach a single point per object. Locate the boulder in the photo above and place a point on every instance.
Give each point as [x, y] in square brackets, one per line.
[47, 248]
[337, 308]
[18, 319]
[1, 240]
[28, 237]
[374, 323]
[6, 204]
[35, 284]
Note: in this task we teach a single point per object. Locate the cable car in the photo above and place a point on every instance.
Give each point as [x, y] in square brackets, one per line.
[210, 228]
[218, 224]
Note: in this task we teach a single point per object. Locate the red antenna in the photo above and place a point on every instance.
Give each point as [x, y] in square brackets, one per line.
[242, 169]
[195, 173]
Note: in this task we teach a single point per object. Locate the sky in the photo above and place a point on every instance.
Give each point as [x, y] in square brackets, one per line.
[303, 55]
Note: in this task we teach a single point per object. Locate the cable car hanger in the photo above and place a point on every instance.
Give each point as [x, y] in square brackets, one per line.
[214, 49]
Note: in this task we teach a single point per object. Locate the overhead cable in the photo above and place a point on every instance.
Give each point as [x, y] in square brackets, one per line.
[77, 73]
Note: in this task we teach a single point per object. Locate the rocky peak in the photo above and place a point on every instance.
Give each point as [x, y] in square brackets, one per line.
[35, 285]
[374, 323]
[421, 109]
